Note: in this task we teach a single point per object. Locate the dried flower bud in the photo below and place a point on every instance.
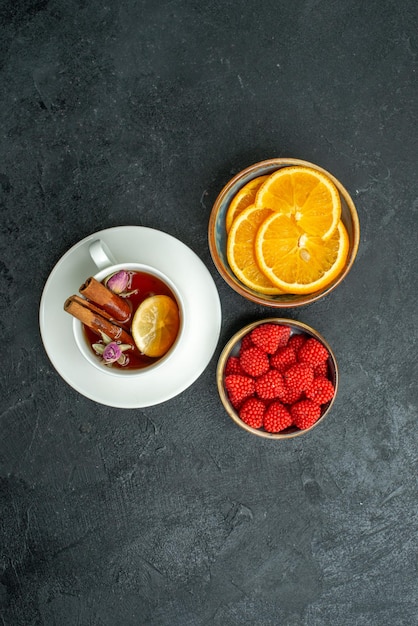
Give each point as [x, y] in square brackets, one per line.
[118, 281]
[112, 352]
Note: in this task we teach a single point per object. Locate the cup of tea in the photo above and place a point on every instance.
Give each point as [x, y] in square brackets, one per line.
[128, 318]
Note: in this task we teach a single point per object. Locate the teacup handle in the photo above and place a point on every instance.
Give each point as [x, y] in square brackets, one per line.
[101, 255]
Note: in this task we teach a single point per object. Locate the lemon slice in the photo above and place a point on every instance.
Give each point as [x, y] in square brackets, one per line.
[155, 325]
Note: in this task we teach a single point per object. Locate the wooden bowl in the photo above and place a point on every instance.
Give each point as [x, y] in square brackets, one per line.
[218, 237]
[232, 349]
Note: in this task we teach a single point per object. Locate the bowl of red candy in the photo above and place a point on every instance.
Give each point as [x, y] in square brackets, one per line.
[277, 378]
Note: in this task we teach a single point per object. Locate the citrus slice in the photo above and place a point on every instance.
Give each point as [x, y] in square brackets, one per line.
[243, 199]
[295, 261]
[155, 325]
[306, 195]
[240, 250]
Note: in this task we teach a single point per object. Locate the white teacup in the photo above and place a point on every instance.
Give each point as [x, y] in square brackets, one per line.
[104, 260]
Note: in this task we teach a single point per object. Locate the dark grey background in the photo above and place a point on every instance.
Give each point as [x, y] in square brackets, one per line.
[138, 112]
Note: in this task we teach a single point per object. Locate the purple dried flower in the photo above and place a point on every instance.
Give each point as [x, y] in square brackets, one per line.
[112, 352]
[118, 281]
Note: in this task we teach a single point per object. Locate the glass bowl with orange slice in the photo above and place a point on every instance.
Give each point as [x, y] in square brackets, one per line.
[283, 232]
[277, 378]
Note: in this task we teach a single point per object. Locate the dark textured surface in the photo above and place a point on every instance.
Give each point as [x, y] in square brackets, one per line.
[137, 112]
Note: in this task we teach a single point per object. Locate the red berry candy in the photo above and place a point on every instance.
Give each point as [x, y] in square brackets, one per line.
[291, 395]
[277, 418]
[252, 412]
[296, 341]
[254, 361]
[321, 390]
[246, 342]
[312, 352]
[279, 379]
[299, 376]
[305, 413]
[239, 388]
[321, 369]
[233, 366]
[283, 359]
[270, 386]
[270, 337]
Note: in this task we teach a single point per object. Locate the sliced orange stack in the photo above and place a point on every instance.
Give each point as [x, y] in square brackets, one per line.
[292, 240]
[244, 198]
[241, 252]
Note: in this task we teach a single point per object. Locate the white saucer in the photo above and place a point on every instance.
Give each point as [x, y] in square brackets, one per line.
[202, 309]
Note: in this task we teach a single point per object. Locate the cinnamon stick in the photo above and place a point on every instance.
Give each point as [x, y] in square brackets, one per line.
[96, 322]
[91, 306]
[98, 310]
[114, 305]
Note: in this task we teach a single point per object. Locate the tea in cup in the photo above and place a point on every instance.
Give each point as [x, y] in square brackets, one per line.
[128, 318]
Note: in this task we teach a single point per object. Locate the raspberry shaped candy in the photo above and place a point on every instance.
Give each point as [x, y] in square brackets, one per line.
[277, 418]
[299, 377]
[252, 412]
[239, 388]
[270, 386]
[296, 341]
[321, 390]
[246, 342]
[254, 361]
[291, 395]
[321, 369]
[270, 337]
[283, 359]
[305, 413]
[233, 366]
[313, 352]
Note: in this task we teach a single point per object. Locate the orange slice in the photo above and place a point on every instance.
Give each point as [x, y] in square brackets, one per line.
[306, 195]
[155, 325]
[240, 250]
[244, 198]
[295, 261]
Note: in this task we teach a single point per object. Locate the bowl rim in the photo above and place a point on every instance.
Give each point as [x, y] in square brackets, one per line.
[240, 287]
[220, 368]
